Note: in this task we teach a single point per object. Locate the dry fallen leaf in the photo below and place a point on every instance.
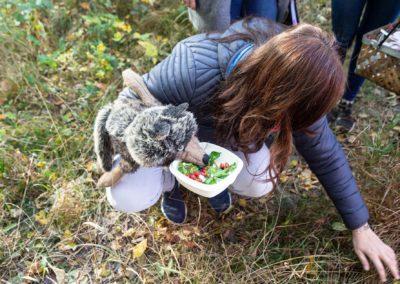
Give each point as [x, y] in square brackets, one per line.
[139, 249]
[42, 217]
[129, 233]
[242, 202]
[311, 267]
[103, 271]
[60, 274]
[352, 139]
[85, 5]
[283, 177]
[306, 174]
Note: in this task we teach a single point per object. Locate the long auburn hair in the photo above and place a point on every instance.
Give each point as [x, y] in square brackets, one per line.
[286, 84]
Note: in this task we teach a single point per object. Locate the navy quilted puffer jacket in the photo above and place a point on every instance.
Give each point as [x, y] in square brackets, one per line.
[193, 72]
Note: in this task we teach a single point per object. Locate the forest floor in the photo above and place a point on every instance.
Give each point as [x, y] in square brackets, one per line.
[61, 61]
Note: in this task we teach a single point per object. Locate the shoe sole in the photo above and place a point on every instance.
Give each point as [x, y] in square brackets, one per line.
[166, 217]
[227, 209]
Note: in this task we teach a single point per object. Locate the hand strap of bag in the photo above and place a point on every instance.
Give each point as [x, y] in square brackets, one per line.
[389, 33]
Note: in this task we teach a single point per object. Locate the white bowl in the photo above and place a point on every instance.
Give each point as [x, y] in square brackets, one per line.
[210, 190]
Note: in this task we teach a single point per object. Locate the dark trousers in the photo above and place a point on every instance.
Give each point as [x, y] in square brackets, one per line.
[261, 8]
[350, 23]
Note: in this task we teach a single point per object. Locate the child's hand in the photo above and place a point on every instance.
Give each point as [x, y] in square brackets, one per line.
[193, 153]
[190, 4]
[111, 178]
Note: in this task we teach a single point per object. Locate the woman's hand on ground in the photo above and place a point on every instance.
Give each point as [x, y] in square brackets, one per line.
[190, 4]
[368, 245]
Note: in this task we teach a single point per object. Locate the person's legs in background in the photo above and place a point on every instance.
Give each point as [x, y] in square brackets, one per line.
[377, 13]
[236, 10]
[345, 20]
[261, 8]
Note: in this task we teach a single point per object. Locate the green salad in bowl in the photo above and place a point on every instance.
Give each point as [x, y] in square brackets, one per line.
[209, 174]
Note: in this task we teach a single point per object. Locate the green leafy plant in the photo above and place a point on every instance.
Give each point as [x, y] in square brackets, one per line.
[211, 173]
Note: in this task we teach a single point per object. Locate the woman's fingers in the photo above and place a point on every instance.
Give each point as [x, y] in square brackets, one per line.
[363, 259]
[389, 258]
[379, 267]
[368, 245]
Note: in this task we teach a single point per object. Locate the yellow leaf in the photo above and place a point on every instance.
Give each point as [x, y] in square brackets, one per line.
[89, 56]
[283, 177]
[123, 26]
[101, 47]
[67, 234]
[151, 2]
[85, 5]
[242, 202]
[103, 271]
[89, 166]
[293, 163]
[42, 218]
[308, 186]
[127, 28]
[129, 233]
[41, 164]
[2, 116]
[139, 249]
[53, 177]
[311, 267]
[100, 74]
[306, 174]
[150, 49]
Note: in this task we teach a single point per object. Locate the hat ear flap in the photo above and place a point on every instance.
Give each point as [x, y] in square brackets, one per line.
[176, 111]
[182, 107]
[161, 131]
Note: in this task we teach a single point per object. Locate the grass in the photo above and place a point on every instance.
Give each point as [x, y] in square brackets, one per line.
[61, 61]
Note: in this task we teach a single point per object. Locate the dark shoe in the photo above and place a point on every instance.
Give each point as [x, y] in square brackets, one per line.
[222, 202]
[172, 205]
[346, 123]
[342, 115]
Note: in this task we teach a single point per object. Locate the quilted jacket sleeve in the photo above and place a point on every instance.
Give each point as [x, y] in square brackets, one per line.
[327, 160]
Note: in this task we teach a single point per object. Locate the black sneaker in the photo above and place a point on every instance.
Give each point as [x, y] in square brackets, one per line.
[222, 202]
[346, 123]
[342, 115]
[172, 205]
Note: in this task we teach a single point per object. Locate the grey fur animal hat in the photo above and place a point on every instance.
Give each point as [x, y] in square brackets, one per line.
[157, 134]
[142, 131]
